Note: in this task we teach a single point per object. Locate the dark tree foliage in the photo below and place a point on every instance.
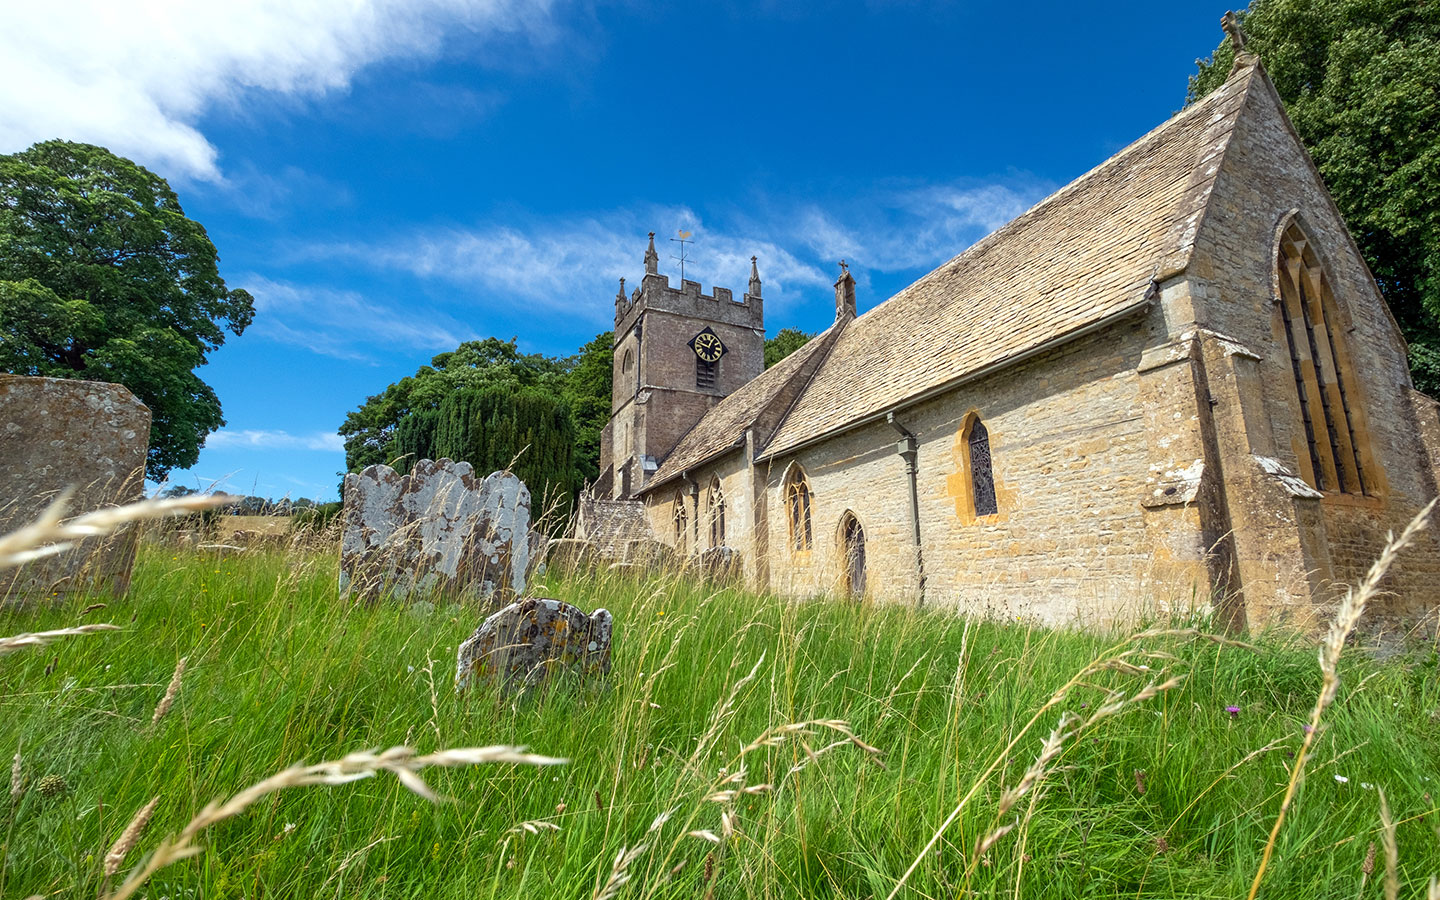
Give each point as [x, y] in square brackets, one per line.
[103, 277]
[1361, 81]
[785, 342]
[484, 403]
[529, 431]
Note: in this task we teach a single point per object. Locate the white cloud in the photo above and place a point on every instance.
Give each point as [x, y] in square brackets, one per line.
[550, 264]
[916, 228]
[343, 323]
[261, 439]
[137, 77]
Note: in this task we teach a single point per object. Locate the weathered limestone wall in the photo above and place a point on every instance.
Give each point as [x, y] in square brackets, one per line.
[1075, 456]
[1265, 176]
[59, 433]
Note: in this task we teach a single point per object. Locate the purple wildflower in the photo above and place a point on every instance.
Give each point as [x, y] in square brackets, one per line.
[1234, 711]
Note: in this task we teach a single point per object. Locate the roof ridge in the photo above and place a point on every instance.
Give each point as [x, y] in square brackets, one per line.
[1212, 99]
[838, 329]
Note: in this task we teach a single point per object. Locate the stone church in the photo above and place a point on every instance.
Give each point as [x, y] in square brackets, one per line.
[1172, 382]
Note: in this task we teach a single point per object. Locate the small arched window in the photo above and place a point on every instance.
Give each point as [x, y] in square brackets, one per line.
[627, 362]
[682, 523]
[852, 556]
[797, 508]
[716, 503]
[1324, 380]
[981, 471]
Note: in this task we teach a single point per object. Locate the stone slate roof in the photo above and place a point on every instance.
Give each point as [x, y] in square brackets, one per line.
[1088, 253]
[611, 524]
[723, 428]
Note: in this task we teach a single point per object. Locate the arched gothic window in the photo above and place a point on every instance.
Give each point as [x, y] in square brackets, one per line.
[981, 471]
[852, 555]
[797, 508]
[716, 503]
[682, 523]
[627, 362]
[1324, 380]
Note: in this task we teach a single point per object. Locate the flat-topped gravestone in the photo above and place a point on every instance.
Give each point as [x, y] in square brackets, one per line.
[437, 530]
[533, 640]
[86, 436]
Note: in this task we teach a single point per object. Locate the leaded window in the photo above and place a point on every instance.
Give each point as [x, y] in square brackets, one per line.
[717, 514]
[1324, 382]
[797, 506]
[982, 475]
[682, 523]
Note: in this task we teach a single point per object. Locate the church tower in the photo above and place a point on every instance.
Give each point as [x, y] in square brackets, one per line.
[677, 354]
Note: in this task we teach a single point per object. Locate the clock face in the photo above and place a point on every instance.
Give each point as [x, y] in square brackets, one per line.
[707, 346]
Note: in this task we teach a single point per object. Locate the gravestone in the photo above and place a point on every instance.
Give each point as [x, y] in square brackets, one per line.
[437, 530]
[533, 640]
[87, 436]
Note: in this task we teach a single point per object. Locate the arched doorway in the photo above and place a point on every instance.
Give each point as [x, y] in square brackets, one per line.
[852, 550]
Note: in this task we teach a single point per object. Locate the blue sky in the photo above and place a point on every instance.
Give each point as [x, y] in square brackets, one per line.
[392, 177]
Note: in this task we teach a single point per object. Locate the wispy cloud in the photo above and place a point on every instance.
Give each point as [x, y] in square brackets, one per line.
[550, 263]
[916, 228]
[138, 79]
[261, 439]
[344, 324]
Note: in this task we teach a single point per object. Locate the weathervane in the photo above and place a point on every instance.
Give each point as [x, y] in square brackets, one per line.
[682, 240]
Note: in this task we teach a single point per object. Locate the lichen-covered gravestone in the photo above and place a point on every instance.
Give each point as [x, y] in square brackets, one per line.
[86, 436]
[439, 530]
[533, 640]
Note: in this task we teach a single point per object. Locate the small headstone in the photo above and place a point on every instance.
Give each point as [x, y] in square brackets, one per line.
[720, 565]
[439, 530]
[533, 640]
[651, 555]
[59, 433]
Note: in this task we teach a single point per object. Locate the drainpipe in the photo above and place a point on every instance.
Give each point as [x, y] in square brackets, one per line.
[908, 448]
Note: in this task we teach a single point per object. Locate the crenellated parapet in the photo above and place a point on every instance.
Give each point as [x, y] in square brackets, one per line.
[689, 299]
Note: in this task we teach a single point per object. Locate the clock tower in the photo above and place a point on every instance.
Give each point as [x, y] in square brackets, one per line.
[678, 352]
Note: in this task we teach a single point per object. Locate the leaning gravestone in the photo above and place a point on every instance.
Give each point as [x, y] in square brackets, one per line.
[86, 436]
[437, 530]
[533, 640]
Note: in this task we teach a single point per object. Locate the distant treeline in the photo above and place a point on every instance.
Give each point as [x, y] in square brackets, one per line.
[490, 405]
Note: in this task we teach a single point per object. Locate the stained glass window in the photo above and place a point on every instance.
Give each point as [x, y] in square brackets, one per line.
[682, 520]
[982, 476]
[717, 515]
[797, 504]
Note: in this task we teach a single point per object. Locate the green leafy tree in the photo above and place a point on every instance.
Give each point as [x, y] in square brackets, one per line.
[432, 413]
[1361, 81]
[474, 365]
[587, 391]
[785, 342]
[103, 277]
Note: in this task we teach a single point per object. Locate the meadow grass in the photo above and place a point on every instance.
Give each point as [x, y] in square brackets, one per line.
[1172, 796]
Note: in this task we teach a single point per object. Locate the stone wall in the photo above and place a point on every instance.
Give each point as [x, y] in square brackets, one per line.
[58, 434]
[1267, 180]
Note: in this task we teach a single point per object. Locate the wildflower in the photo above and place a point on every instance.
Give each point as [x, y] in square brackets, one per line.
[1308, 727]
[660, 612]
[1342, 779]
[1234, 711]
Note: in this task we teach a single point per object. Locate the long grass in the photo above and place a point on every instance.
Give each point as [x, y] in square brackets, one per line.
[743, 746]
